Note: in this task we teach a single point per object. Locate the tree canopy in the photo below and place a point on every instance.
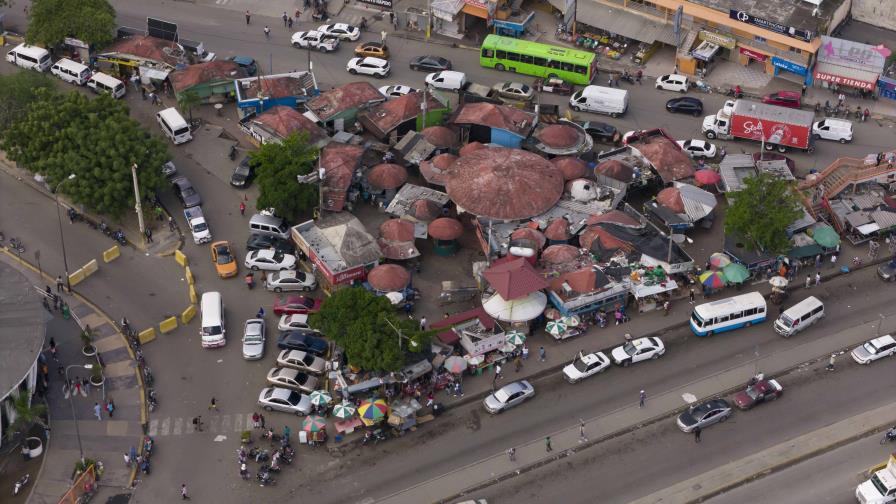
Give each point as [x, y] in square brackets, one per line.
[276, 167]
[17, 91]
[94, 139]
[90, 21]
[367, 327]
[762, 211]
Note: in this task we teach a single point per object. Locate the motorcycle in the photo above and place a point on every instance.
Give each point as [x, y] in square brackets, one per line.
[232, 154]
[274, 468]
[702, 86]
[148, 445]
[286, 459]
[244, 473]
[627, 77]
[73, 215]
[16, 245]
[734, 93]
[105, 229]
[889, 436]
[151, 399]
[20, 484]
[119, 237]
[147, 376]
[265, 479]
[260, 455]
[375, 436]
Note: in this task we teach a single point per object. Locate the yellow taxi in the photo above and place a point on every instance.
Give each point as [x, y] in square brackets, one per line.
[225, 263]
[374, 49]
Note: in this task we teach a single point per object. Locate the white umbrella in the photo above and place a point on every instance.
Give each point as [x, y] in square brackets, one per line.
[556, 327]
[455, 364]
[516, 310]
[320, 398]
[689, 398]
[344, 410]
[778, 281]
[395, 297]
[515, 338]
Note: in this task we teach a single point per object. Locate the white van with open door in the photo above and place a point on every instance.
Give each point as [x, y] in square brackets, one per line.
[30, 57]
[102, 83]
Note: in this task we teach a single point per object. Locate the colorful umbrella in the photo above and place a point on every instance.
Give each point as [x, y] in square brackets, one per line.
[373, 412]
[455, 364]
[344, 410]
[719, 260]
[556, 327]
[713, 279]
[826, 236]
[320, 398]
[515, 338]
[314, 423]
[572, 321]
[707, 177]
[736, 273]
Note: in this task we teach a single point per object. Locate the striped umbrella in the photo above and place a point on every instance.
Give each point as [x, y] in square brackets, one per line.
[515, 338]
[344, 410]
[320, 398]
[372, 412]
[556, 327]
[713, 279]
[314, 423]
[719, 260]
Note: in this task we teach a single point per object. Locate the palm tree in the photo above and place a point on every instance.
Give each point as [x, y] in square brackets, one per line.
[187, 100]
[27, 414]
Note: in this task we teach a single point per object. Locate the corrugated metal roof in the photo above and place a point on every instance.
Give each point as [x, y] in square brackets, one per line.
[884, 218]
[697, 202]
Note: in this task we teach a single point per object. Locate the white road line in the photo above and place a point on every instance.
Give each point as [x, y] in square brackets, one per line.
[213, 424]
[153, 428]
[225, 423]
[166, 426]
[189, 427]
[178, 426]
[237, 423]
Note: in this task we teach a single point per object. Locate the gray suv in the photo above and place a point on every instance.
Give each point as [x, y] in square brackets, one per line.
[184, 191]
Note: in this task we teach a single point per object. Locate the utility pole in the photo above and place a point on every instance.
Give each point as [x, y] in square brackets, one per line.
[138, 207]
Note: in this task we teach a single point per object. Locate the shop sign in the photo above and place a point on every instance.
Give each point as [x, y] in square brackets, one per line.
[843, 81]
[886, 87]
[717, 39]
[758, 56]
[477, 3]
[788, 65]
[746, 17]
[386, 4]
[849, 54]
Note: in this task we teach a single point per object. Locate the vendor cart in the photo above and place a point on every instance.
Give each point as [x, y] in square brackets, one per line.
[554, 85]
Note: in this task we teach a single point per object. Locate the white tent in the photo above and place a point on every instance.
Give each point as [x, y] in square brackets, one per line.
[518, 310]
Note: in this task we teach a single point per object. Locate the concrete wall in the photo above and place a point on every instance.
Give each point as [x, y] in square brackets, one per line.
[875, 12]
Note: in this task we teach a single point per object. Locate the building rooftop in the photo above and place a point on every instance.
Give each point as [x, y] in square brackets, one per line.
[349, 96]
[339, 162]
[148, 48]
[23, 325]
[503, 117]
[213, 71]
[385, 117]
[410, 193]
[277, 86]
[339, 240]
[795, 13]
[284, 121]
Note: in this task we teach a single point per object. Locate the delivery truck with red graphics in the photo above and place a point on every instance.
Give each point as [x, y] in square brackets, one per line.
[777, 127]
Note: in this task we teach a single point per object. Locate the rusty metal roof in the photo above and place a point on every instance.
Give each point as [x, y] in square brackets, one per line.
[571, 167]
[440, 136]
[389, 277]
[471, 148]
[346, 97]
[385, 117]
[387, 176]
[213, 72]
[558, 254]
[435, 170]
[511, 119]
[339, 161]
[277, 86]
[284, 121]
[514, 279]
[148, 48]
[445, 228]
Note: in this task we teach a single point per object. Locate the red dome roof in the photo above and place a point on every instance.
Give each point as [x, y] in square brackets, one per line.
[387, 176]
[571, 167]
[389, 277]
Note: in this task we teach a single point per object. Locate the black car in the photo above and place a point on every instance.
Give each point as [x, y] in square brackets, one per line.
[265, 242]
[602, 132]
[685, 105]
[430, 64]
[306, 340]
[887, 272]
[243, 174]
[184, 191]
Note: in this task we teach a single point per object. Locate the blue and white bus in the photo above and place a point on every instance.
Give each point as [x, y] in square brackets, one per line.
[728, 314]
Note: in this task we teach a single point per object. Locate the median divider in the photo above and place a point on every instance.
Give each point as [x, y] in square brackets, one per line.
[193, 297]
[187, 315]
[146, 335]
[168, 325]
[76, 277]
[189, 274]
[111, 254]
[180, 258]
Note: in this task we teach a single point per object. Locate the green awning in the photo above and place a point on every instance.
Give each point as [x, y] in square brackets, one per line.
[805, 251]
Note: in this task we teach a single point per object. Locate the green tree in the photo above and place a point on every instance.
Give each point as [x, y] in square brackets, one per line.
[761, 212]
[17, 91]
[188, 100]
[367, 327]
[91, 21]
[276, 166]
[28, 414]
[93, 138]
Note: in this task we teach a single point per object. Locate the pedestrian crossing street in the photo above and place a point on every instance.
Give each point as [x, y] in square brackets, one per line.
[214, 423]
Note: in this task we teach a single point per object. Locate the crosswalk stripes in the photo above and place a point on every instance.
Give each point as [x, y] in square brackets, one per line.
[180, 426]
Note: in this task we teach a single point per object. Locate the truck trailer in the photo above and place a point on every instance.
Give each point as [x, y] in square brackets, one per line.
[777, 127]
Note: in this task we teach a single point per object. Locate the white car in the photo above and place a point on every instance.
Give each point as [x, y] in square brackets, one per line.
[292, 378]
[341, 30]
[290, 280]
[376, 67]
[253, 339]
[292, 322]
[698, 148]
[638, 350]
[396, 91]
[269, 260]
[303, 361]
[586, 365]
[282, 399]
[315, 40]
[877, 348]
[673, 82]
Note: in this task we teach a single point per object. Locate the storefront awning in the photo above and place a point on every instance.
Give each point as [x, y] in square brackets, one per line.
[642, 290]
[629, 25]
[705, 51]
[845, 76]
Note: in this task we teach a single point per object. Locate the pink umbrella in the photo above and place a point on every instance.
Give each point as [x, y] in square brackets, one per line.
[707, 177]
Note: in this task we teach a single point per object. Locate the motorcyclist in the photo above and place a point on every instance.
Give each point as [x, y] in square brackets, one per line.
[738, 92]
[891, 433]
[244, 472]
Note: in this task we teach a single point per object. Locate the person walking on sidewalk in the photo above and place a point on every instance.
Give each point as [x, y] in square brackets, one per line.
[285, 19]
[547, 444]
[817, 278]
[691, 296]
[110, 407]
[242, 208]
[497, 372]
[582, 437]
[60, 284]
[267, 32]
[248, 16]
[830, 366]
[255, 420]
[183, 492]
[98, 411]
[213, 405]
[642, 398]
[422, 323]
[541, 354]
[666, 308]
[518, 363]
[511, 454]
[697, 432]
[808, 281]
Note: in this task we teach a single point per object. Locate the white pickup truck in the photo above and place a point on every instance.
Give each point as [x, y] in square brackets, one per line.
[881, 487]
[198, 226]
[315, 40]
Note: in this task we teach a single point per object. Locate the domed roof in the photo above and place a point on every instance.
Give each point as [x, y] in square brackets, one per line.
[425, 210]
[445, 228]
[558, 136]
[533, 235]
[398, 230]
[557, 230]
[571, 167]
[389, 277]
[440, 136]
[435, 170]
[616, 170]
[387, 176]
[559, 254]
[471, 148]
[670, 198]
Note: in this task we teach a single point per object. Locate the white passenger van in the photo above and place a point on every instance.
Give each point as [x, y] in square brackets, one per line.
[71, 71]
[799, 316]
[102, 83]
[601, 100]
[212, 329]
[30, 57]
[174, 126]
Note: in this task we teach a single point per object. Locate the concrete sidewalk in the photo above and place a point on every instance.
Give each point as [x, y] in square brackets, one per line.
[566, 442]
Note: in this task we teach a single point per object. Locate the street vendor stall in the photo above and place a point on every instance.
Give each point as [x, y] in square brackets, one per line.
[651, 288]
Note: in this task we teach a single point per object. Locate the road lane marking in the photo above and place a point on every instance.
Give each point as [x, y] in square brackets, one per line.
[178, 426]
[225, 423]
[237, 423]
[166, 426]
[153, 427]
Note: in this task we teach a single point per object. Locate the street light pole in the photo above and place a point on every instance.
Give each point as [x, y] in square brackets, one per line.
[138, 207]
[72, 403]
[68, 283]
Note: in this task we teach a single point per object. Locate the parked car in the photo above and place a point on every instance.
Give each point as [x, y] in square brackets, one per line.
[341, 30]
[376, 67]
[269, 260]
[292, 378]
[306, 340]
[294, 321]
[586, 365]
[396, 91]
[685, 105]
[704, 414]
[875, 349]
[184, 191]
[279, 281]
[169, 170]
[285, 400]
[887, 272]
[302, 361]
[513, 91]
[602, 132]
[698, 148]
[245, 62]
[430, 63]
[638, 350]
[225, 262]
[761, 391]
[673, 82]
[374, 49]
[508, 396]
[243, 173]
[291, 305]
[314, 40]
[253, 339]
[448, 80]
[791, 99]
[265, 242]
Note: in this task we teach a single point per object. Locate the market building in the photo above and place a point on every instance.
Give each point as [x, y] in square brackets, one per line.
[339, 246]
[212, 81]
[257, 94]
[277, 123]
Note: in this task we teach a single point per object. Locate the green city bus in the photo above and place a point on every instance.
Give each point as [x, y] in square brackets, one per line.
[540, 60]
